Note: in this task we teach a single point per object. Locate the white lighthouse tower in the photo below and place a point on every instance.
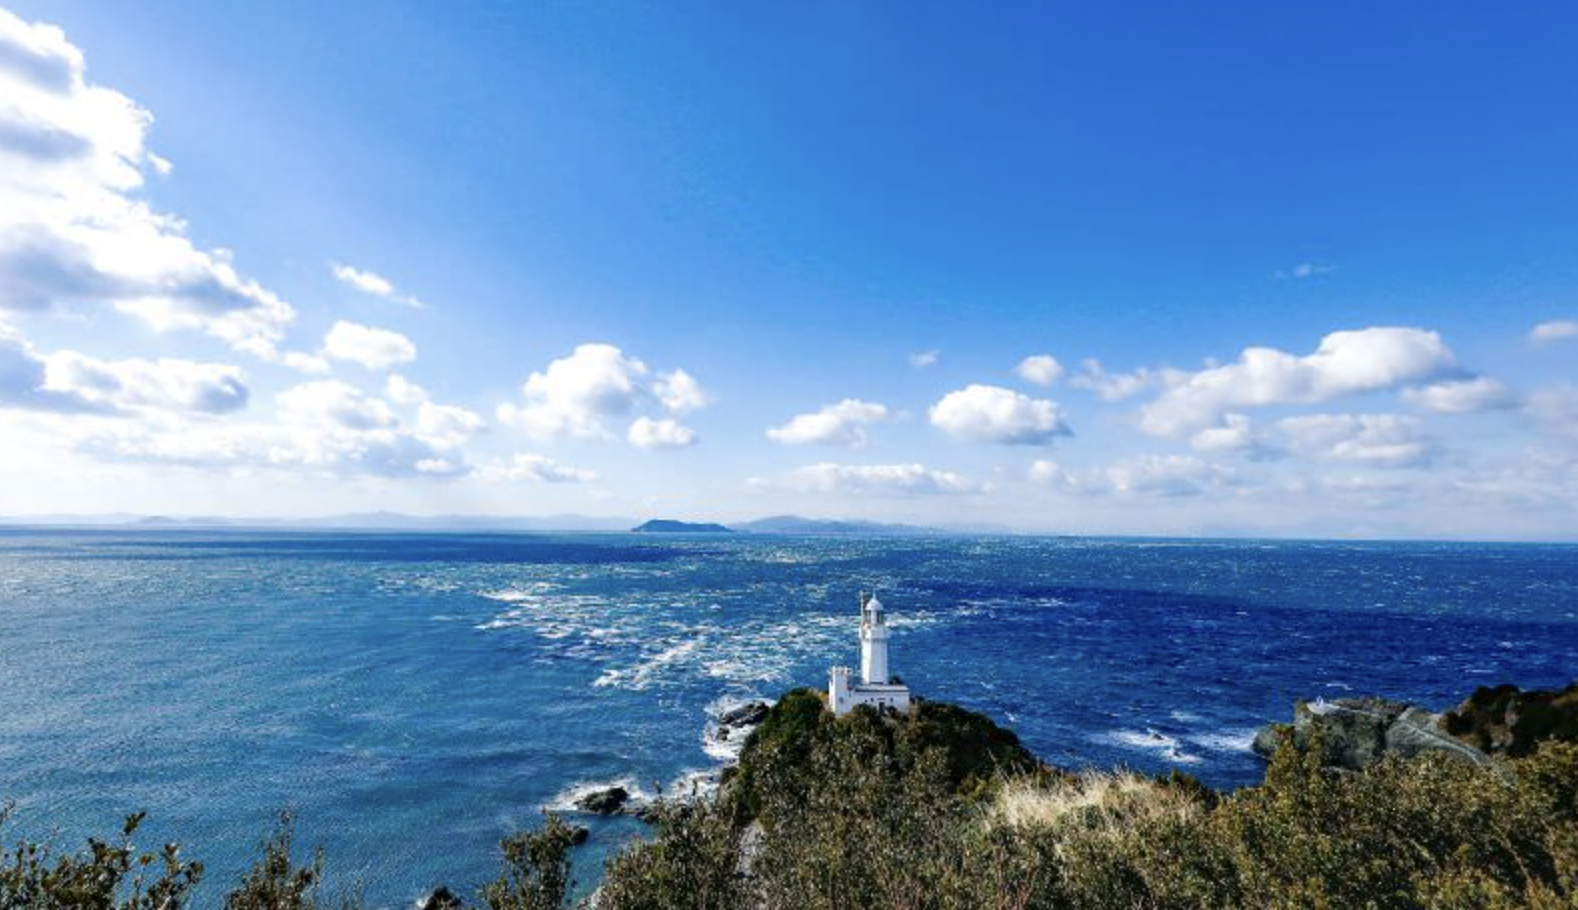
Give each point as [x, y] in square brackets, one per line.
[873, 641]
[875, 687]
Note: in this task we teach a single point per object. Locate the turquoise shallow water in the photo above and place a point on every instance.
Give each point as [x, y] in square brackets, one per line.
[414, 697]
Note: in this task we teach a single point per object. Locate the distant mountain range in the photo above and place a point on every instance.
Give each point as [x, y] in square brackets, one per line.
[786, 524]
[794, 524]
[394, 521]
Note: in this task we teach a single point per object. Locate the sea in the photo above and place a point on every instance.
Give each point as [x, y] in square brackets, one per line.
[412, 698]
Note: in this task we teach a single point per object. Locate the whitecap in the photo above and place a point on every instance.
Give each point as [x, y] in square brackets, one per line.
[1152, 741]
[1239, 739]
[565, 800]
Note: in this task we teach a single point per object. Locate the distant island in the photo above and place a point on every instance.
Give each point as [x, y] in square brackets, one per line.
[670, 526]
[794, 524]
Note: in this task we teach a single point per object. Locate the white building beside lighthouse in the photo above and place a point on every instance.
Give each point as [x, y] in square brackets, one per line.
[875, 686]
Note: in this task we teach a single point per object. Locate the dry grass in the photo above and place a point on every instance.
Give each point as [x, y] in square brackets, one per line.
[1096, 802]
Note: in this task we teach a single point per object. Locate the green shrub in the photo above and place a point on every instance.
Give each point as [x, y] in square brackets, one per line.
[536, 873]
[275, 882]
[103, 876]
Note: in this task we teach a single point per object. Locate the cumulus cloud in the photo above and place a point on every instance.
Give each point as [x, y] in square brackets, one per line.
[68, 382]
[1378, 440]
[878, 480]
[369, 282]
[534, 469]
[679, 392]
[1555, 330]
[24, 377]
[1166, 475]
[1461, 396]
[164, 384]
[922, 360]
[1345, 363]
[841, 424]
[446, 426]
[664, 433]
[1040, 369]
[375, 349]
[577, 395]
[1236, 433]
[72, 232]
[986, 413]
[333, 403]
[328, 427]
[1050, 474]
[1118, 386]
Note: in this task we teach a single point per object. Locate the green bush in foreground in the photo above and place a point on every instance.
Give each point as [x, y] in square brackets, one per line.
[859, 824]
[862, 812]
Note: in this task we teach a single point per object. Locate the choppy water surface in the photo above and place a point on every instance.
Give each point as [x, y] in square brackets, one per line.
[414, 697]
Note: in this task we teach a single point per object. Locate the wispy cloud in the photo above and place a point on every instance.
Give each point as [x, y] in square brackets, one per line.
[369, 282]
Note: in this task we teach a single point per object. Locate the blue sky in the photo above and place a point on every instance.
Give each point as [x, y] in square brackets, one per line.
[231, 226]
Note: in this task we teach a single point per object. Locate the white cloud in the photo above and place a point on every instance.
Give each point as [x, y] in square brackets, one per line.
[679, 392]
[375, 349]
[1118, 386]
[1235, 434]
[1145, 475]
[403, 391]
[535, 469]
[72, 233]
[1051, 474]
[331, 402]
[1555, 330]
[446, 426]
[326, 427]
[577, 394]
[1461, 396]
[1556, 409]
[369, 282]
[922, 360]
[1345, 363]
[878, 480]
[987, 413]
[1168, 475]
[842, 424]
[647, 433]
[301, 361]
[1304, 270]
[24, 375]
[1378, 440]
[1040, 369]
[68, 382]
[164, 384]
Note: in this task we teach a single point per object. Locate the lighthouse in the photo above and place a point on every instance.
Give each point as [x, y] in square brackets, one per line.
[875, 687]
[873, 641]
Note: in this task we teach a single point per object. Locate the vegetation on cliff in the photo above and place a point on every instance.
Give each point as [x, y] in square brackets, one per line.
[942, 809]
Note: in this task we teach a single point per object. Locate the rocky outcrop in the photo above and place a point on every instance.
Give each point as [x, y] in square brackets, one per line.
[604, 802]
[442, 899]
[1506, 720]
[746, 715]
[1356, 732]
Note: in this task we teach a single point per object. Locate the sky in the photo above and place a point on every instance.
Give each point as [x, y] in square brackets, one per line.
[1173, 269]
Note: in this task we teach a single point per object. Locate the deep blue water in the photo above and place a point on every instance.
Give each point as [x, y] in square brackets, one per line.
[414, 697]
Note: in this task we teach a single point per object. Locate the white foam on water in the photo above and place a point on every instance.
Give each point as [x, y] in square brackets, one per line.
[565, 800]
[1240, 739]
[1151, 741]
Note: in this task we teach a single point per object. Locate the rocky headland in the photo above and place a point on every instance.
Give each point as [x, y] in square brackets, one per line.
[1354, 733]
